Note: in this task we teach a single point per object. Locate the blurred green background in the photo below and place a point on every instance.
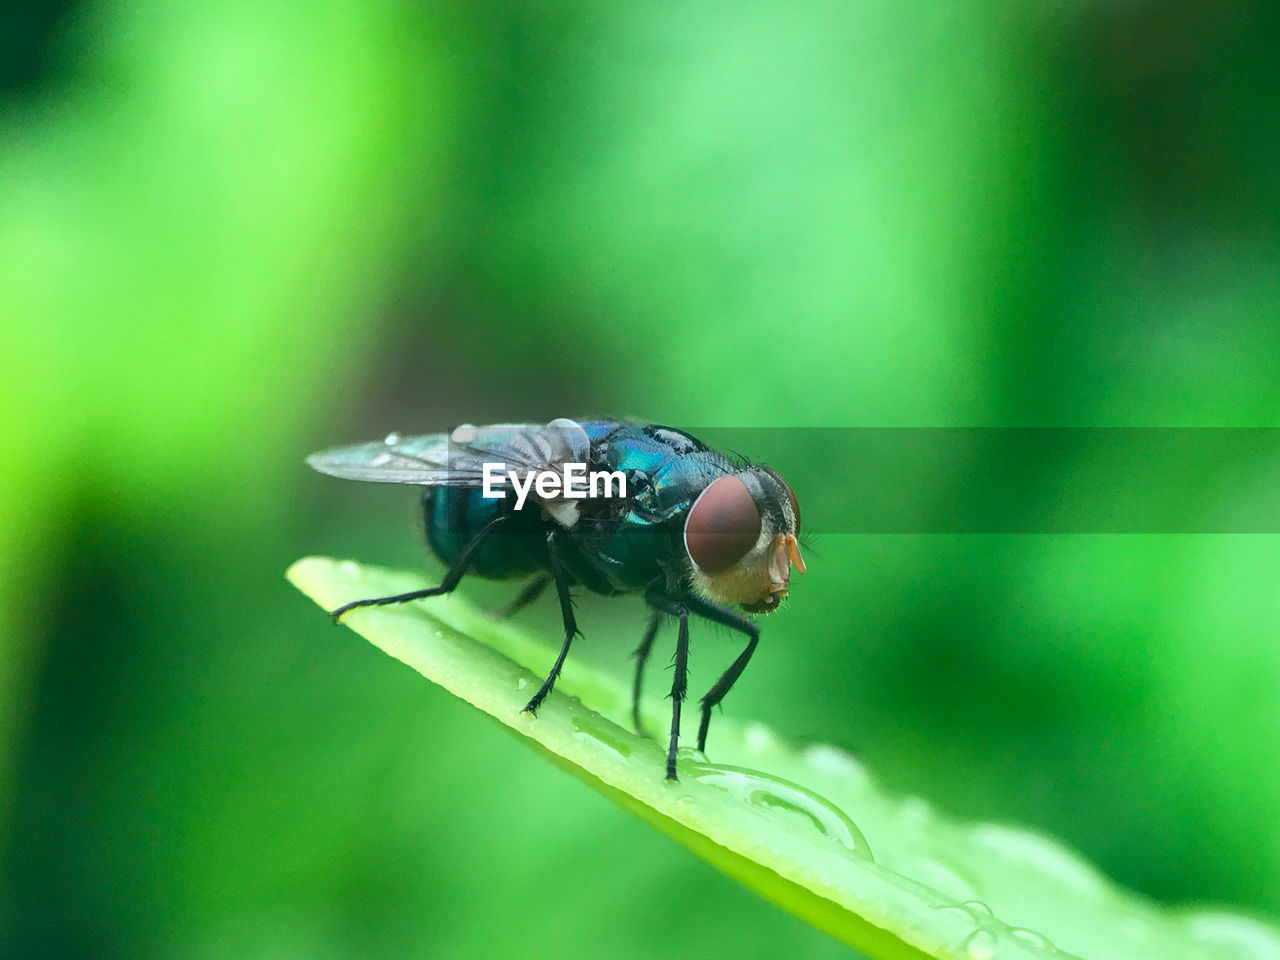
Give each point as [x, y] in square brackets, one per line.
[232, 233]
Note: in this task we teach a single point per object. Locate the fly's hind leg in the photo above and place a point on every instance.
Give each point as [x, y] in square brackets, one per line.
[531, 592]
[447, 585]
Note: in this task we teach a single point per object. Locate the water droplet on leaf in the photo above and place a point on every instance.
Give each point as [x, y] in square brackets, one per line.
[781, 796]
[981, 945]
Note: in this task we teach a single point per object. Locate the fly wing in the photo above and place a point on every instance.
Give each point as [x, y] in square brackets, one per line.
[423, 459]
[458, 458]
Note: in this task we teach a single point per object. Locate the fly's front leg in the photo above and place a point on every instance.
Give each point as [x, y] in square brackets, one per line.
[680, 682]
[641, 655]
[446, 585]
[730, 618]
[570, 624]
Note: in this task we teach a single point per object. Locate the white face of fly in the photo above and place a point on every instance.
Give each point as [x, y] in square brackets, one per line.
[740, 535]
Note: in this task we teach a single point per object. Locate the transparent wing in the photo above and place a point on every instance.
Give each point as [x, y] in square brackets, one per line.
[458, 458]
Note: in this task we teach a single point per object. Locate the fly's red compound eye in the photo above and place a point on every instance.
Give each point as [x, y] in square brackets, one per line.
[723, 525]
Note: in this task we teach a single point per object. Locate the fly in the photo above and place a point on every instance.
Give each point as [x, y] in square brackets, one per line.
[693, 529]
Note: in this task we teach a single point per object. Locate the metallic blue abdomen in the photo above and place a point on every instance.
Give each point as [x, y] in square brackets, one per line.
[455, 515]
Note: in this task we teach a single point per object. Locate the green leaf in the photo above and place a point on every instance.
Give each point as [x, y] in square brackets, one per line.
[904, 882]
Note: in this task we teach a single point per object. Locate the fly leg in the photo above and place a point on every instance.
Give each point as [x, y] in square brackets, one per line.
[641, 655]
[446, 585]
[680, 682]
[531, 592]
[730, 618]
[570, 624]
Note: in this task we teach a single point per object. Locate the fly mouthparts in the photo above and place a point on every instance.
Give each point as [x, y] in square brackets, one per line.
[786, 554]
[793, 552]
